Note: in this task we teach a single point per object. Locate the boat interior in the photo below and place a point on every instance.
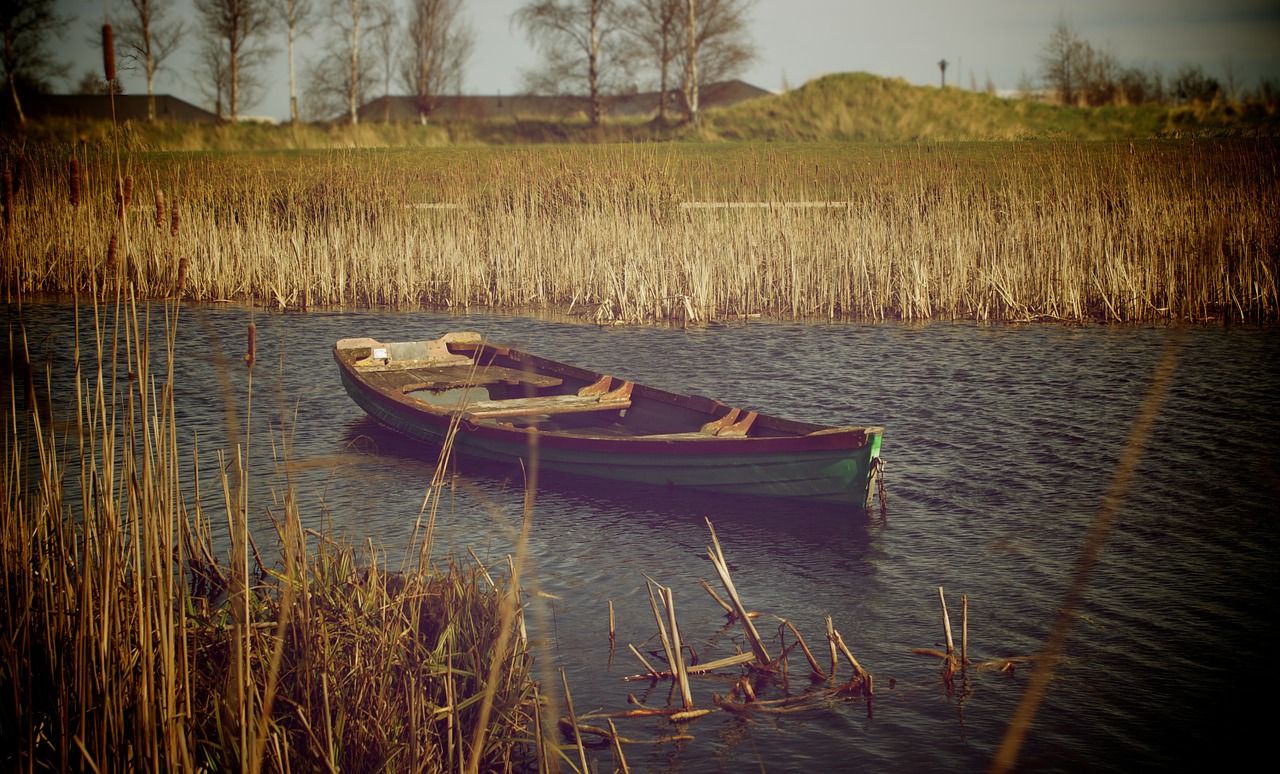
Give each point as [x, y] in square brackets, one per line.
[504, 387]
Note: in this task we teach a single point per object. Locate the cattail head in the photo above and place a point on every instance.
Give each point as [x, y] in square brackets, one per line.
[159, 210]
[111, 252]
[174, 218]
[252, 354]
[128, 189]
[73, 181]
[182, 276]
[108, 54]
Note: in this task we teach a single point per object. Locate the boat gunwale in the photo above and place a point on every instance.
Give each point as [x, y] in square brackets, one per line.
[815, 438]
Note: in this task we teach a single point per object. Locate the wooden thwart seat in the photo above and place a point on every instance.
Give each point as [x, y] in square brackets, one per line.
[735, 424]
[615, 400]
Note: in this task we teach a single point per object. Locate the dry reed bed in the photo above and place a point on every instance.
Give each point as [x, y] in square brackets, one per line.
[1159, 231]
[129, 641]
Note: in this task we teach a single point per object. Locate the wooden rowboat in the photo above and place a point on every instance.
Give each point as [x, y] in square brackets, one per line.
[591, 424]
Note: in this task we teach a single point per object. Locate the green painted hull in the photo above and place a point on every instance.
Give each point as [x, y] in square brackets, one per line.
[834, 466]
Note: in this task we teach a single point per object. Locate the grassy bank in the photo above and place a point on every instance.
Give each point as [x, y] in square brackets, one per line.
[861, 107]
[133, 640]
[1132, 231]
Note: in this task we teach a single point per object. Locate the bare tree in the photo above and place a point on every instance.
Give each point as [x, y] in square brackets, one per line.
[439, 44]
[387, 42]
[25, 58]
[1060, 61]
[297, 16]
[354, 9]
[572, 36]
[150, 36]
[92, 83]
[239, 28]
[340, 79]
[214, 83]
[1097, 76]
[718, 45]
[723, 39]
[328, 86]
[653, 37]
[1192, 85]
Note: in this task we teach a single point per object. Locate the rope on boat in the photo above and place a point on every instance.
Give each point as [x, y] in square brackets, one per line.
[877, 473]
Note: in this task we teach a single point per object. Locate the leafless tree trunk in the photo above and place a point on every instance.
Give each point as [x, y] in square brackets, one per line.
[342, 77]
[297, 18]
[572, 35]
[691, 63]
[440, 43]
[355, 8]
[150, 36]
[653, 27]
[242, 26]
[718, 45]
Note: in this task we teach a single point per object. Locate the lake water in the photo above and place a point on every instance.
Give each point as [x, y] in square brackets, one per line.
[1000, 442]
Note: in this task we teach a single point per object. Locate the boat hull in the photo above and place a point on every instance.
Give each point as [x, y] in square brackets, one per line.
[833, 467]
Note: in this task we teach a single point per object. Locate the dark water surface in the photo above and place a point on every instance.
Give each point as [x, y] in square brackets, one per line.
[1000, 442]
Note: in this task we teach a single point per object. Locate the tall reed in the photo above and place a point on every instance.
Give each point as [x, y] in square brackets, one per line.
[135, 639]
[1167, 231]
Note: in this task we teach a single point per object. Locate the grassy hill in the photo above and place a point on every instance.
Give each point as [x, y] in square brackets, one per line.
[864, 107]
[850, 107]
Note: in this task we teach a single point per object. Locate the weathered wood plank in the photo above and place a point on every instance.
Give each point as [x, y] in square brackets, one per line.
[548, 404]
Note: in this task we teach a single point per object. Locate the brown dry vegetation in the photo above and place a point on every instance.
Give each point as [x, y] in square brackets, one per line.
[1157, 230]
[131, 639]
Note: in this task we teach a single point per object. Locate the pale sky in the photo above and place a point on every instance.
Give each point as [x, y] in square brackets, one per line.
[799, 40]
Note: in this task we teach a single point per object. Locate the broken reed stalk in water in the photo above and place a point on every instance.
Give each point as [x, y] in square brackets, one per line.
[670, 638]
[677, 666]
[813, 662]
[663, 638]
[749, 630]
[728, 609]
[573, 722]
